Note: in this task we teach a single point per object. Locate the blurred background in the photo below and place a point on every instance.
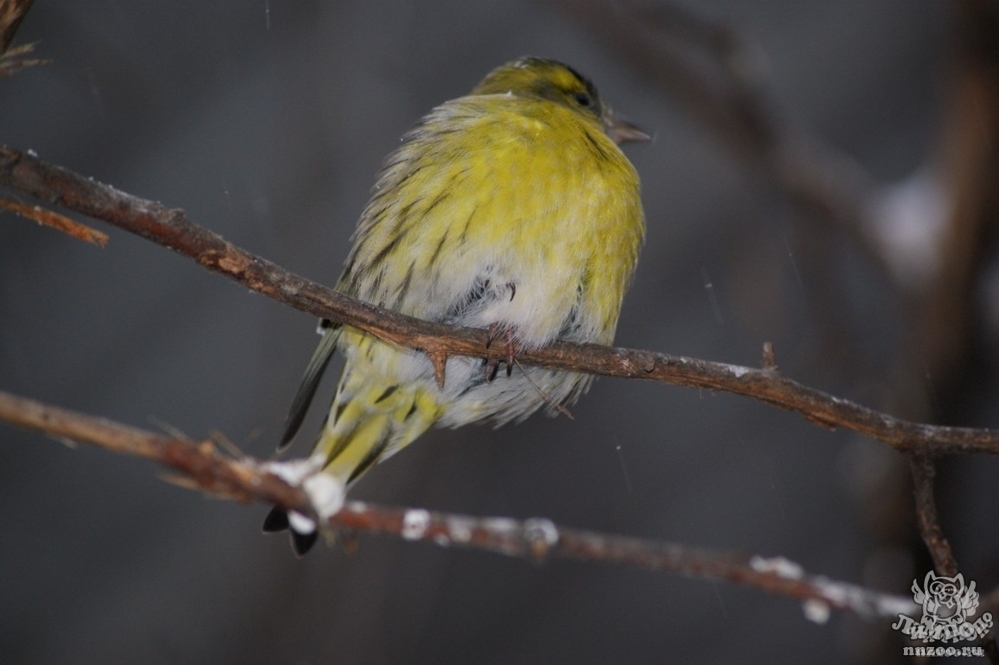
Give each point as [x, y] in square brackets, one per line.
[823, 177]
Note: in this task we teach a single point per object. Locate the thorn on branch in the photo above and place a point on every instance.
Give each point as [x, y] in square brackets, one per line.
[439, 359]
[822, 421]
[769, 358]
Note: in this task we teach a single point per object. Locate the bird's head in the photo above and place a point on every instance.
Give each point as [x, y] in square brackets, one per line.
[557, 82]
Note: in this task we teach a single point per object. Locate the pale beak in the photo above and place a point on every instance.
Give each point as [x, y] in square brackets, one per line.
[621, 130]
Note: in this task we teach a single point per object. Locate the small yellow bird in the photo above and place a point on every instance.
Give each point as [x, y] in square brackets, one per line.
[511, 209]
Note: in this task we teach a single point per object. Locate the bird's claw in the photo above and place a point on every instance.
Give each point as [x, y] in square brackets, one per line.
[497, 331]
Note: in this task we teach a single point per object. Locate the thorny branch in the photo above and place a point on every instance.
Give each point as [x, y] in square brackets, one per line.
[245, 479]
[171, 228]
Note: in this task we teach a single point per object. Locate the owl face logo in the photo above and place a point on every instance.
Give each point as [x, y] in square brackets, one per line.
[946, 601]
[947, 604]
[941, 602]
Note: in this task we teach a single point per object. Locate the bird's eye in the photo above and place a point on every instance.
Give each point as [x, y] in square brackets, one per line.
[583, 99]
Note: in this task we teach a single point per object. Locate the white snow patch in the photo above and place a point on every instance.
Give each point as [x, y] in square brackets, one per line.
[415, 523]
[816, 611]
[326, 494]
[778, 565]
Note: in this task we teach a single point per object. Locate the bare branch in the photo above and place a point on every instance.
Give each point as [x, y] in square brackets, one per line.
[924, 472]
[541, 539]
[55, 185]
[246, 479]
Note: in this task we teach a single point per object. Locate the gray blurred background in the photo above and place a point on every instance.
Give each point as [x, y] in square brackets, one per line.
[266, 121]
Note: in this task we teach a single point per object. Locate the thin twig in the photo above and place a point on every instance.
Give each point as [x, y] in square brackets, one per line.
[246, 479]
[171, 228]
[56, 221]
[924, 472]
